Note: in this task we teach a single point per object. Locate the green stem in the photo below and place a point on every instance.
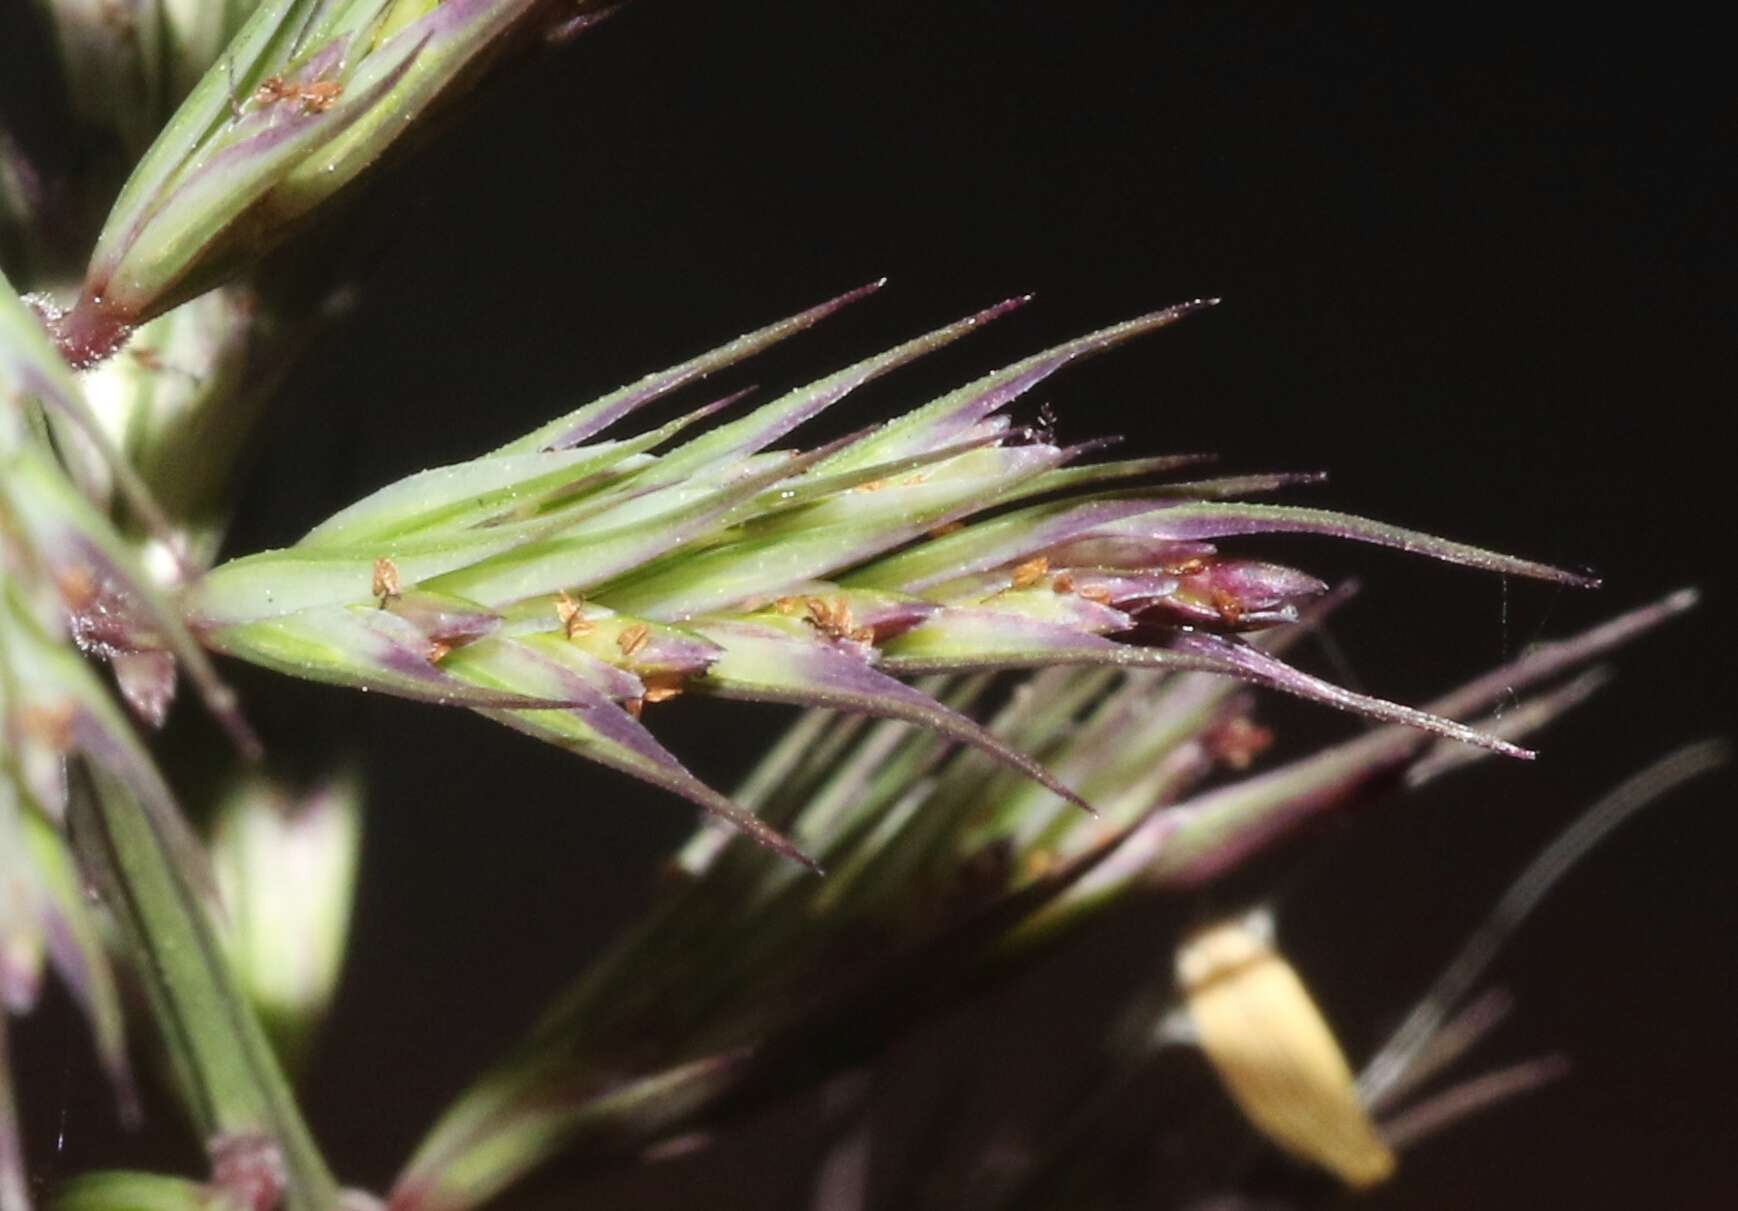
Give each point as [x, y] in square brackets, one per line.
[13, 1196]
[231, 1081]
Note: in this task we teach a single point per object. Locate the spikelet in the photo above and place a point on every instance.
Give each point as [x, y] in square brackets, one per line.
[566, 580]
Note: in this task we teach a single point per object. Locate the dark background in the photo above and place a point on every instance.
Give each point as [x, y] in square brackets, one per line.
[1474, 269]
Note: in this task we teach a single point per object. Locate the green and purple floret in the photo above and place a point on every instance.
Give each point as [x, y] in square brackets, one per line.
[567, 580]
[305, 96]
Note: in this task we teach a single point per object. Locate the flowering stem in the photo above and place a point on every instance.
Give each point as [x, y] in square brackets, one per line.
[12, 1193]
[234, 1088]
